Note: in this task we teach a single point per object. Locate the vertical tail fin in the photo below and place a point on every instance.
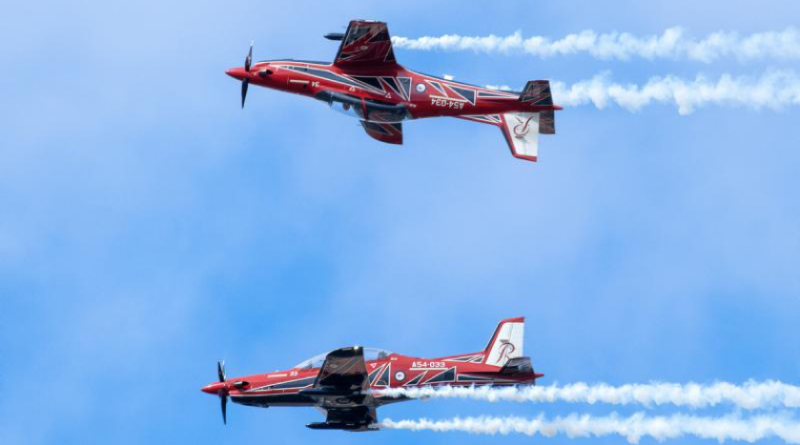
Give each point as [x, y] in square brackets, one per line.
[521, 131]
[506, 343]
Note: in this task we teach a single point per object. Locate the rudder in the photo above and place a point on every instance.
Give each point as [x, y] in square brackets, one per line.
[547, 122]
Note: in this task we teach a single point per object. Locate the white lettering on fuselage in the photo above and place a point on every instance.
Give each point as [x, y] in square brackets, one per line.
[447, 103]
[428, 365]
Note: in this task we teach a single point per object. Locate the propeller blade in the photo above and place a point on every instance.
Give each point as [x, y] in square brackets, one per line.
[244, 90]
[249, 59]
[221, 371]
[224, 404]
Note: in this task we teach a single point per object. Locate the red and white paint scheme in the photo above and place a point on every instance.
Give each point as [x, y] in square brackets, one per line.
[346, 383]
[366, 81]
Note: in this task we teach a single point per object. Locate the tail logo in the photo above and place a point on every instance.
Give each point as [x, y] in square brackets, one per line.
[506, 348]
[521, 130]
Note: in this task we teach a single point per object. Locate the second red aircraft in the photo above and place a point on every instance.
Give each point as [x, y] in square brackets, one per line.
[366, 81]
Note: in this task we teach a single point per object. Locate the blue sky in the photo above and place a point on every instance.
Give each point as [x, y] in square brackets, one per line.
[150, 227]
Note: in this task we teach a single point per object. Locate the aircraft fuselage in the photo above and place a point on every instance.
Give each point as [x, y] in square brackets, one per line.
[293, 387]
[389, 94]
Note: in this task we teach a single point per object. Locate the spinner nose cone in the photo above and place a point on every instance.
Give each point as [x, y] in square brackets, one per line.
[238, 73]
[213, 388]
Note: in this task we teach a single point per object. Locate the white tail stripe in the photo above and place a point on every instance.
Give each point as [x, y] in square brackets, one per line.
[508, 338]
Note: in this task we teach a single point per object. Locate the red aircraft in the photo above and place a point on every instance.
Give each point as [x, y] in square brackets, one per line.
[346, 383]
[366, 82]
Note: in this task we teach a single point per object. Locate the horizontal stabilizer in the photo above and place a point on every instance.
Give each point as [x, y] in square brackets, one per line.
[537, 92]
[518, 365]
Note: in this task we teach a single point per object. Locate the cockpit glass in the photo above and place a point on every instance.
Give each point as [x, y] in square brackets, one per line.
[376, 354]
[317, 360]
[313, 362]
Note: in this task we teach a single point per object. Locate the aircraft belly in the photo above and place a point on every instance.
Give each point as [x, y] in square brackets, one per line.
[482, 109]
[389, 121]
[265, 400]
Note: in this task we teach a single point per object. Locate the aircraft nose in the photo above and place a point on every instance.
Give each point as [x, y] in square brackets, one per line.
[237, 73]
[213, 388]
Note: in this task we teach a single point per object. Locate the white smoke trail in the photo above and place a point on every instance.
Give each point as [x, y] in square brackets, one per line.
[773, 90]
[750, 396]
[633, 428]
[673, 43]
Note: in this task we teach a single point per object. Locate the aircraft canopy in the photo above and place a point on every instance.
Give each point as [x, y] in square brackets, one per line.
[317, 360]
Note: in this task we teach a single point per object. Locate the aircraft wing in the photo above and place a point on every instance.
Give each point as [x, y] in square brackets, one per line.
[357, 418]
[366, 44]
[344, 369]
[340, 390]
[343, 376]
[389, 133]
